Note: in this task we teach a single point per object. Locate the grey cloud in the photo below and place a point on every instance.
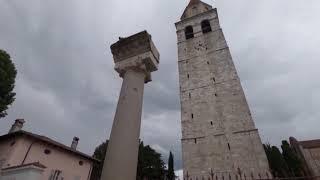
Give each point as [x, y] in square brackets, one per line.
[67, 86]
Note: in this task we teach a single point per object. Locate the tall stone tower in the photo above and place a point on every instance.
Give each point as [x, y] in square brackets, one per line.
[219, 137]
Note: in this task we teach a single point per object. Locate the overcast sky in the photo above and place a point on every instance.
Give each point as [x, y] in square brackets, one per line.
[66, 84]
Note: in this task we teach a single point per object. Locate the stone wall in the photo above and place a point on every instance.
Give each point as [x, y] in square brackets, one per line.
[312, 156]
[309, 152]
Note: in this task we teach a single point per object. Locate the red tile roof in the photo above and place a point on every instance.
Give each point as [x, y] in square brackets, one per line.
[37, 164]
[48, 141]
[310, 144]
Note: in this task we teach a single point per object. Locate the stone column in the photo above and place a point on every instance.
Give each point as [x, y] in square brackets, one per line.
[135, 58]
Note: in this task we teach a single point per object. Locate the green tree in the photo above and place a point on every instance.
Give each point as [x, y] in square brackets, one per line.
[277, 163]
[8, 75]
[150, 164]
[99, 154]
[292, 159]
[171, 175]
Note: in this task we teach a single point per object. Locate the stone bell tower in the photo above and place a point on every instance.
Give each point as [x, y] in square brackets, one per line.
[219, 137]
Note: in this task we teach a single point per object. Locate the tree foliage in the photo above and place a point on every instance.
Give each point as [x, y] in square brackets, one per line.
[150, 164]
[8, 75]
[171, 175]
[294, 163]
[277, 163]
[99, 154]
[285, 164]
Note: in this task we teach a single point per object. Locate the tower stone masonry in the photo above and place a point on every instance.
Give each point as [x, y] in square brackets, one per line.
[219, 137]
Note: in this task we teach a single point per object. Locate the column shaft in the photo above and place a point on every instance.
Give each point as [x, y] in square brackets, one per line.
[122, 153]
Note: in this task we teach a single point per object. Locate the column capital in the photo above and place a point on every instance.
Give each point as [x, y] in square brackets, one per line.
[135, 63]
[136, 52]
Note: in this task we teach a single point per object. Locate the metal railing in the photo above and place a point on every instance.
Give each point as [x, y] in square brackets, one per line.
[244, 177]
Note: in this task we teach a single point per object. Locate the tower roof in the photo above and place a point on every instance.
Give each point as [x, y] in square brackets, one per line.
[193, 2]
[195, 7]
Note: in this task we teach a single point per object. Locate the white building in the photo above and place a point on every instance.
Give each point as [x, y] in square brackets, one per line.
[24, 156]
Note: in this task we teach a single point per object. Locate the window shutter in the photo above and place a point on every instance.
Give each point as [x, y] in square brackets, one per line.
[56, 175]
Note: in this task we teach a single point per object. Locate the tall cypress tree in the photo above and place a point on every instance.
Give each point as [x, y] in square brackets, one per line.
[8, 75]
[171, 175]
[292, 159]
[277, 163]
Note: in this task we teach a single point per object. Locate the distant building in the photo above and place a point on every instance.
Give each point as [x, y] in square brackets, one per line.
[28, 156]
[309, 152]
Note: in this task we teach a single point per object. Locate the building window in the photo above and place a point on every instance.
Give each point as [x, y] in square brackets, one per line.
[189, 95]
[188, 76]
[56, 174]
[229, 146]
[205, 26]
[252, 176]
[47, 151]
[211, 123]
[80, 163]
[216, 95]
[195, 140]
[267, 174]
[189, 32]
[192, 116]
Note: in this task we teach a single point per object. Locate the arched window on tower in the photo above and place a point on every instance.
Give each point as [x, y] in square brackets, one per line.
[189, 32]
[205, 26]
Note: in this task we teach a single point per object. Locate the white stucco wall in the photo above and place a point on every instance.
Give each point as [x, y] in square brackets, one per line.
[28, 173]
